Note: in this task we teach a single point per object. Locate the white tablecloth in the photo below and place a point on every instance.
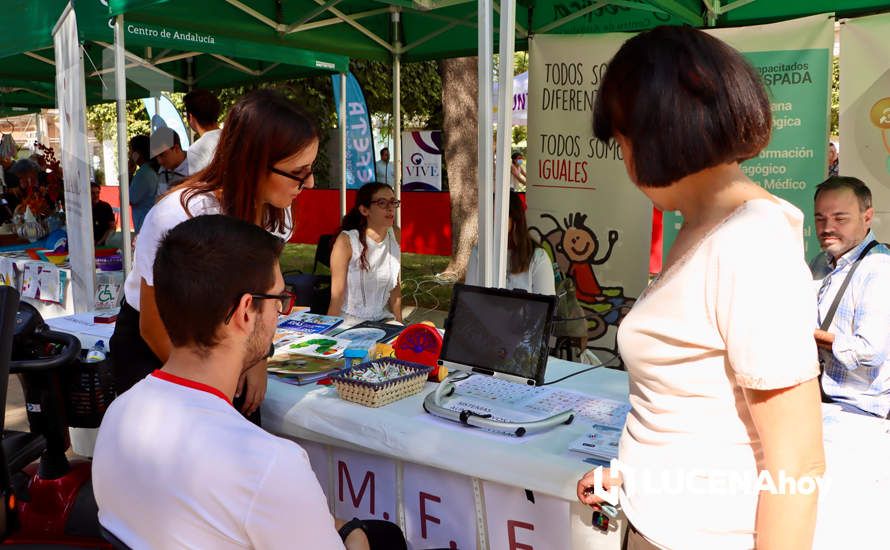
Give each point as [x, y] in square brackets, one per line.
[852, 511]
[404, 431]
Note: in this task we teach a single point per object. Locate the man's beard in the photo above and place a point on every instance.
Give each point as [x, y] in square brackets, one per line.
[257, 345]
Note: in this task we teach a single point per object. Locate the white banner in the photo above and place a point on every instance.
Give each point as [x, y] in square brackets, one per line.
[422, 160]
[71, 99]
[865, 111]
[440, 509]
[582, 207]
[520, 520]
[520, 99]
[364, 486]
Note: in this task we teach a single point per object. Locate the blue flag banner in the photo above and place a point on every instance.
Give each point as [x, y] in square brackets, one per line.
[359, 138]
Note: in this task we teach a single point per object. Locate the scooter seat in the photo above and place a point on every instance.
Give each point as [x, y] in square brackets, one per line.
[22, 448]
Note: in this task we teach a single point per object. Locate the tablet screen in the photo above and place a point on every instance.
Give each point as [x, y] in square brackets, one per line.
[499, 330]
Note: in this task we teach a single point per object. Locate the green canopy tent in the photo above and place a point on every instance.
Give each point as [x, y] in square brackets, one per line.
[27, 70]
[385, 30]
[28, 57]
[429, 29]
[230, 59]
[560, 17]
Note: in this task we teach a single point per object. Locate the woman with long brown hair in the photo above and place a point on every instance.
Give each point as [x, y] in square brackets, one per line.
[528, 267]
[366, 260]
[263, 160]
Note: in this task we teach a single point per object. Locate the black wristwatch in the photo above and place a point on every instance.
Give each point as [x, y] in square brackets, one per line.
[351, 526]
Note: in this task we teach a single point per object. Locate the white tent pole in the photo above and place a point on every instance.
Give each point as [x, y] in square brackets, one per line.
[38, 135]
[342, 118]
[485, 154]
[123, 176]
[397, 114]
[505, 133]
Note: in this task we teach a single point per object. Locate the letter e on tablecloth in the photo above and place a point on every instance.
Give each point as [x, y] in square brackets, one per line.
[516, 523]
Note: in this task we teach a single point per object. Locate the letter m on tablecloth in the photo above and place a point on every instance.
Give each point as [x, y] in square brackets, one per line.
[367, 483]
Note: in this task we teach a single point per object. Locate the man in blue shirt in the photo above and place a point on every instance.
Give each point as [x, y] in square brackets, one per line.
[855, 350]
[385, 169]
[144, 183]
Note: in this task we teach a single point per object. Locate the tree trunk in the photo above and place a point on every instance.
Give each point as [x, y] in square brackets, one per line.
[460, 87]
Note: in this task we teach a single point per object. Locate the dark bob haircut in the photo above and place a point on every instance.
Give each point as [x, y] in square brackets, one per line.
[686, 102]
[202, 269]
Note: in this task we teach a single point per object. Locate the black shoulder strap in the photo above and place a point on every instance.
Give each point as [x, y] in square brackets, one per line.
[826, 322]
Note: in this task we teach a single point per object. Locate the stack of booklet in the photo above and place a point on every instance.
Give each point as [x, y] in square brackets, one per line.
[308, 348]
[303, 354]
[600, 441]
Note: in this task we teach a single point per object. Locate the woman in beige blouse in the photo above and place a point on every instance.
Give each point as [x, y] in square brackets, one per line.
[719, 349]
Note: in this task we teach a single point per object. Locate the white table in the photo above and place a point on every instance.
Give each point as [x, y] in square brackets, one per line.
[403, 432]
[851, 511]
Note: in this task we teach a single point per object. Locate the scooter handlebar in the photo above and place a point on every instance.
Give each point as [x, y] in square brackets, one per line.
[68, 353]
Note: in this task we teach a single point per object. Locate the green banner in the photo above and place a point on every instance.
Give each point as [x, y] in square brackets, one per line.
[796, 159]
[183, 38]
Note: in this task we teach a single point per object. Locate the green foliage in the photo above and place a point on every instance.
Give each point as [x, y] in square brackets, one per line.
[421, 91]
[834, 126]
[102, 120]
[315, 95]
[520, 136]
[520, 63]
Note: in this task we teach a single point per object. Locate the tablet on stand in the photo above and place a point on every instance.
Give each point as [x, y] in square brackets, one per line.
[500, 333]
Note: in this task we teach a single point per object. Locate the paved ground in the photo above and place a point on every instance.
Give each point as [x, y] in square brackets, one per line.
[16, 418]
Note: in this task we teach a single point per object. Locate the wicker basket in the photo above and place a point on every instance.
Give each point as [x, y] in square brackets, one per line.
[377, 394]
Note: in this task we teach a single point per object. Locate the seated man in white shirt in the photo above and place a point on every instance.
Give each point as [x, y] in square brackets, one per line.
[175, 465]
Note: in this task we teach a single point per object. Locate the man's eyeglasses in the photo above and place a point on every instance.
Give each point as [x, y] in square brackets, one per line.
[383, 203]
[301, 180]
[286, 302]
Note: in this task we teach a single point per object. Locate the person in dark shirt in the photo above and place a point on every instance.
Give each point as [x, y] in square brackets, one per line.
[104, 222]
[10, 199]
[20, 176]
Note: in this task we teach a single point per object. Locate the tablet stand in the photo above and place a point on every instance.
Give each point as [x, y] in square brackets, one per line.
[433, 404]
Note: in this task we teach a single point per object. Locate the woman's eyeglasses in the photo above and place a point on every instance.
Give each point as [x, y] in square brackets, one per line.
[286, 302]
[383, 203]
[301, 180]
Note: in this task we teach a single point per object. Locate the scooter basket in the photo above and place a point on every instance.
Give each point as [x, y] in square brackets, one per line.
[89, 389]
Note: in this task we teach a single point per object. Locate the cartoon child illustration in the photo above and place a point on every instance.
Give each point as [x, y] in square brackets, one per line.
[580, 245]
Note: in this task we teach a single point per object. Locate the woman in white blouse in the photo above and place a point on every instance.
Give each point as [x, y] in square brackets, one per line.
[719, 349]
[366, 260]
[263, 161]
[529, 266]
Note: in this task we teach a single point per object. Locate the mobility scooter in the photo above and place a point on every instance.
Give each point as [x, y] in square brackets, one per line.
[47, 503]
